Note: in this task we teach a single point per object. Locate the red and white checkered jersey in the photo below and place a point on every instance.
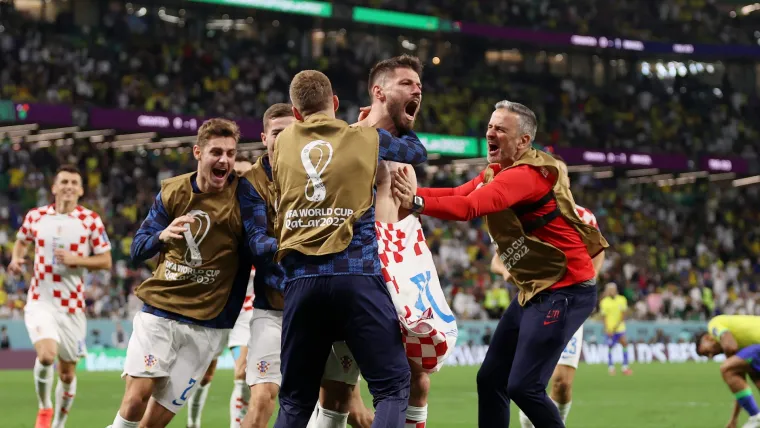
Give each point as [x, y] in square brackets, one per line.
[82, 232]
[587, 216]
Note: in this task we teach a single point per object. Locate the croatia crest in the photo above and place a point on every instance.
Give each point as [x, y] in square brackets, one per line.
[150, 361]
[262, 367]
[346, 362]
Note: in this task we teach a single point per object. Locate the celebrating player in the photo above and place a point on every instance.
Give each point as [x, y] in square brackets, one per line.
[407, 264]
[530, 214]
[613, 307]
[564, 373]
[206, 226]
[328, 248]
[237, 342]
[67, 239]
[263, 369]
[738, 337]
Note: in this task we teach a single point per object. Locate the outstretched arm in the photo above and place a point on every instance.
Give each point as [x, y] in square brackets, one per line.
[521, 184]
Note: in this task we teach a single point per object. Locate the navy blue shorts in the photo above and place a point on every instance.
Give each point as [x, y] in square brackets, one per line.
[751, 354]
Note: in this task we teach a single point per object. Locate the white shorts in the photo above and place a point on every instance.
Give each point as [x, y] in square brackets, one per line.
[45, 321]
[341, 366]
[264, 348]
[571, 356]
[176, 352]
[241, 332]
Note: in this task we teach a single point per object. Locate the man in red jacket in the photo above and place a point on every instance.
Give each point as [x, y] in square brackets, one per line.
[544, 244]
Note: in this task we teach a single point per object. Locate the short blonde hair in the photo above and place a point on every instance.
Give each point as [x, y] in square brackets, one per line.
[311, 92]
[216, 128]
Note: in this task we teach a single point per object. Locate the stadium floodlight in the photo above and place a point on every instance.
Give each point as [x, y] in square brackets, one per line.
[301, 7]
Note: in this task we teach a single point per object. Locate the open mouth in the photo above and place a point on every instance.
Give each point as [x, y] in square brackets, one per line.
[411, 109]
[219, 172]
[493, 149]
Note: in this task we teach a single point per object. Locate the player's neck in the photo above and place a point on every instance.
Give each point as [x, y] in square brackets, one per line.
[329, 113]
[65, 207]
[379, 119]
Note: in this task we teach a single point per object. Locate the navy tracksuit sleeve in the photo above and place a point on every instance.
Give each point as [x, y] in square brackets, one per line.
[253, 211]
[146, 243]
[407, 149]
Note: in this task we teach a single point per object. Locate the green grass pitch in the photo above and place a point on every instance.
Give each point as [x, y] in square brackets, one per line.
[656, 396]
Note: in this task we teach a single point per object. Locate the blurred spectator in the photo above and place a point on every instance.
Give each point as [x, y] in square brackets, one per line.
[119, 338]
[5, 341]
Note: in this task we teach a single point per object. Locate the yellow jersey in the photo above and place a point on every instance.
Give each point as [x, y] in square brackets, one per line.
[613, 309]
[744, 328]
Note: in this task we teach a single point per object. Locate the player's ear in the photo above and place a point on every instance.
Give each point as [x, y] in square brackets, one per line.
[264, 139]
[197, 152]
[336, 103]
[377, 93]
[297, 114]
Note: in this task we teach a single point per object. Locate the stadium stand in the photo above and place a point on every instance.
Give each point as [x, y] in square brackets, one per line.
[678, 251]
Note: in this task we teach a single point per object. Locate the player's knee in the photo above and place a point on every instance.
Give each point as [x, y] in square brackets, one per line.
[240, 370]
[520, 388]
[46, 356]
[66, 376]
[420, 384]
[207, 378]
[486, 380]
[263, 395]
[561, 386]
[730, 367]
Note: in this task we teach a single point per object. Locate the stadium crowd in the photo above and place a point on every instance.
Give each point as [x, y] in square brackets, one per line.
[677, 252]
[688, 21]
[148, 64]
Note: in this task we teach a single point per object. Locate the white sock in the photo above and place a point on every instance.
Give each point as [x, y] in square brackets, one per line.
[195, 405]
[241, 395]
[564, 409]
[314, 415]
[120, 422]
[416, 417]
[64, 398]
[331, 419]
[43, 383]
[524, 421]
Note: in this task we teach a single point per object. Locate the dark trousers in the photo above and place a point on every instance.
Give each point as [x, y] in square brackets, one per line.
[524, 350]
[358, 309]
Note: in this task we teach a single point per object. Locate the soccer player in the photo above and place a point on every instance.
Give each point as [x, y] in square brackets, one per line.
[237, 342]
[407, 265]
[613, 308]
[263, 369]
[324, 172]
[738, 337]
[68, 239]
[564, 373]
[206, 226]
[546, 247]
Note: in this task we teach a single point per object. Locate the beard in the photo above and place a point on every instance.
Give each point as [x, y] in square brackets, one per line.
[396, 112]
